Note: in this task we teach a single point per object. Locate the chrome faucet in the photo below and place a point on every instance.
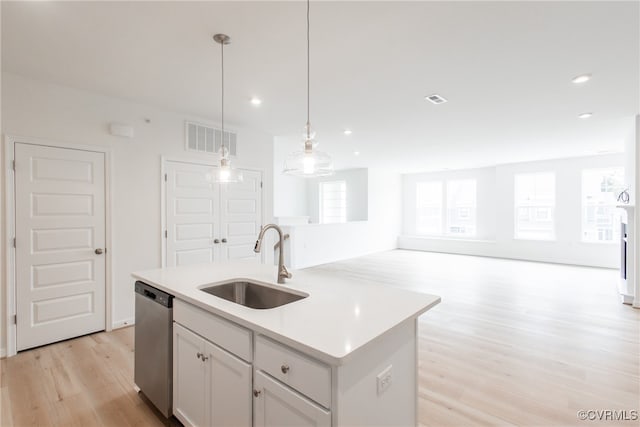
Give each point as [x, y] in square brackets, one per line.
[283, 273]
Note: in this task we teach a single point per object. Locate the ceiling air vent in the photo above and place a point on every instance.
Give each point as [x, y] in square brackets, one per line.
[206, 139]
[435, 99]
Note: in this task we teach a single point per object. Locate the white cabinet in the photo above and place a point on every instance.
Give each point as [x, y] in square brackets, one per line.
[300, 372]
[229, 375]
[205, 221]
[277, 405]
[290, 388]
[188, 377]
[211, 387]
[228, 386]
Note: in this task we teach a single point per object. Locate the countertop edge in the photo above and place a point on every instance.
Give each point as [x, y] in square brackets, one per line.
[334, 360]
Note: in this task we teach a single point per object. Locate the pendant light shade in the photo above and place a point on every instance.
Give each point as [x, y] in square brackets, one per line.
[225, 173]
[308, 162]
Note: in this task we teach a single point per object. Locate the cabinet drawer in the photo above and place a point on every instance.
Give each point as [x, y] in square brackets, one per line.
[277, 405]
[309, 376]
[233, 338]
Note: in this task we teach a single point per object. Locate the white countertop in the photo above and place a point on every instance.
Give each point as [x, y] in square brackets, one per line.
[336, 320]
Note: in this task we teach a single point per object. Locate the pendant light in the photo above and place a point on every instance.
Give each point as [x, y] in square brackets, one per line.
[309, 162]
[226, 173]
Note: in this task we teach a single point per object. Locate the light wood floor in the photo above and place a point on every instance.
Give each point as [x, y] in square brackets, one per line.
[512, 343]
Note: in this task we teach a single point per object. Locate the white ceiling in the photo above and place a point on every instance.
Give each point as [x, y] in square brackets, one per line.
[505, 68]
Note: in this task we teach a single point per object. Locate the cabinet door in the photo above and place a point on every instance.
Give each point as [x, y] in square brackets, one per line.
[277, 405]
[189, 374]
[229, 389]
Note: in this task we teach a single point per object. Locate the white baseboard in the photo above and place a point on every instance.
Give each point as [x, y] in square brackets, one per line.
[626, 299]
[123, 323]
[3, 353]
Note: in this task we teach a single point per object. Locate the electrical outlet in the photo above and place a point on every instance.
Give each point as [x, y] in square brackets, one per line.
[384, 379]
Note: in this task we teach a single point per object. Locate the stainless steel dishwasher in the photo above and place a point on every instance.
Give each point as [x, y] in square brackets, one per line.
[153, 368]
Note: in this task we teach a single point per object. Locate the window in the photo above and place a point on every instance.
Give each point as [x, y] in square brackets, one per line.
[333, 202]
[460, 203]
[535, 200]
[461, 207]
[600, 218]
[429, 207]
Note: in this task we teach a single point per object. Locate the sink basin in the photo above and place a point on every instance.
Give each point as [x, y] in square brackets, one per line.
[252, 295]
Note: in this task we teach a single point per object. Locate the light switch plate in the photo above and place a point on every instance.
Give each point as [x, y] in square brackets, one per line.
[384, 379]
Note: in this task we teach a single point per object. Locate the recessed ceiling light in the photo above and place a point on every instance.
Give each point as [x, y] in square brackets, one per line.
[348, 132]
[435, 99]
[583, 78]
[256, 101]
[585, 115]
[356, 153]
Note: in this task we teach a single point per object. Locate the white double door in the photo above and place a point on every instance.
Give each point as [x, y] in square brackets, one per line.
[208, 221]
[60, 243]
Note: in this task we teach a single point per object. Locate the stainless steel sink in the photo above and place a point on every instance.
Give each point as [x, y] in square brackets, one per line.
[252, 295]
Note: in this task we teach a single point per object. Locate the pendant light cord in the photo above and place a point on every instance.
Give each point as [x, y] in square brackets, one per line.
[308, 76]
[222, 62]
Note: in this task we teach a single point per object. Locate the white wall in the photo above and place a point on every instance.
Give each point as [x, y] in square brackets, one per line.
[3, 291]
[36, 109]
[636, 196]
[495, 222]
[296, 196]
[316, 244]
[289, 192]
[356, 182]
[630, 159]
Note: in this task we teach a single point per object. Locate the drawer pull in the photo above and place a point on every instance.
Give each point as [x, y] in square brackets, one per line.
[256, 393]
[284, 368]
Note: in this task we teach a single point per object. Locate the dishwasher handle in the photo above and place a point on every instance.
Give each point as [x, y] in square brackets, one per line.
[149, 294]
[156, 295]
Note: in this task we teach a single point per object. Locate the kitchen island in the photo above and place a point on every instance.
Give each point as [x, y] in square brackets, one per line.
[345, 354]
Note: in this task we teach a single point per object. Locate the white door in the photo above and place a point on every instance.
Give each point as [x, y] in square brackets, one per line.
[229, 389]
[241, 217]
[208, 221]
[192, 212]
[60, 243]
[276, 405]
[188, 377]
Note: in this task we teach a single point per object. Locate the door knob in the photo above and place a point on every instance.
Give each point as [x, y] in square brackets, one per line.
[224, 240]
[284, 368]
[256, 393]
[98, 251]
[216, 241]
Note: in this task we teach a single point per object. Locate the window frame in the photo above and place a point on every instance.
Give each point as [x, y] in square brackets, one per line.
[440, 207]
[448, 209]
[321, 201]
[443, 230]
[584, 206]
[517, 206]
